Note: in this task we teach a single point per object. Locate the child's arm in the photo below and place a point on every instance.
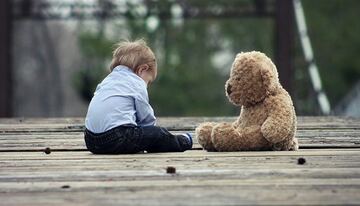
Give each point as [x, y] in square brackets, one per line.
[144, 112]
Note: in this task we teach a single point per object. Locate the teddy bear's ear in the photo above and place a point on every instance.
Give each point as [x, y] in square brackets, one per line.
[270, 78]
[239, 54]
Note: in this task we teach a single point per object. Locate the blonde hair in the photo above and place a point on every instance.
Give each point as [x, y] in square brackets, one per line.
[132, 54]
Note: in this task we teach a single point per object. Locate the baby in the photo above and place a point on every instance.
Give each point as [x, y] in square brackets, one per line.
[120, 119]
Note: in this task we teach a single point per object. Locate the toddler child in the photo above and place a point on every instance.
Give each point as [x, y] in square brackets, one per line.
[120, 119]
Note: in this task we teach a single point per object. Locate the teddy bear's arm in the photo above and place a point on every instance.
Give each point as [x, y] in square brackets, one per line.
[203, 135]
[279, 122]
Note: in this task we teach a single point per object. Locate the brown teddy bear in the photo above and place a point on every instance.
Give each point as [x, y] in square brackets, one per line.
[267, 119]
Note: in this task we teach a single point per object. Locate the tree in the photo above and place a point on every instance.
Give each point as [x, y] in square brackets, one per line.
[195, 55]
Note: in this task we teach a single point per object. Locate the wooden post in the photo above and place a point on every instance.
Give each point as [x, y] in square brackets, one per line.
[284, 40]
[5, 59]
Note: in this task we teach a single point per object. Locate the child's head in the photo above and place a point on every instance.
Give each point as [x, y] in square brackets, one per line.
[138, 57]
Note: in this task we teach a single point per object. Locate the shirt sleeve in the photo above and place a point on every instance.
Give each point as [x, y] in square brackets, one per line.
[144, 112]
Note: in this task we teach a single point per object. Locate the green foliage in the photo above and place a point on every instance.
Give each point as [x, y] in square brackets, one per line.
[86, 80]
[334, 32]
[95, 46]
[191, 83]
[96, 49]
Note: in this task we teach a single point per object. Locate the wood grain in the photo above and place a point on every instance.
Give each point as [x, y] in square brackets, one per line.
[70, 175]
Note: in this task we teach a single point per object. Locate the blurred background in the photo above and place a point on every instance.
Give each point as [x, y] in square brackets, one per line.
[53, 53]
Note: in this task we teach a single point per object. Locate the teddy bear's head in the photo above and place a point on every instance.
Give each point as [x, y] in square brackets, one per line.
[253, 77]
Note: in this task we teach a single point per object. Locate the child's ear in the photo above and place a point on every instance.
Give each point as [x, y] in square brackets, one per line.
[141, 68]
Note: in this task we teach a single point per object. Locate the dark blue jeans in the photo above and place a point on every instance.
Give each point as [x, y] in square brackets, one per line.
[129, 139]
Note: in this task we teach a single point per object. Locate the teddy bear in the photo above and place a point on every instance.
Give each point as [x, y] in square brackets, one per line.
[267, 119]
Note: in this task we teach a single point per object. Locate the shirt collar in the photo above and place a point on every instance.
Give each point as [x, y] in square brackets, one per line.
[120, 68]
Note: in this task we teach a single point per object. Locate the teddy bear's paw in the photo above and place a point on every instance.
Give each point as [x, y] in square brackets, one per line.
[294, 145]
[203, 135]
[274, 133]
[225, 138]
[287, 145]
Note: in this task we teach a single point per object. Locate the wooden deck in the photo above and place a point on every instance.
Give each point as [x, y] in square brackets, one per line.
[70, 175]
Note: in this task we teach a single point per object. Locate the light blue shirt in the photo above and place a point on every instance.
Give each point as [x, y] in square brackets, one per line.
[121, 98]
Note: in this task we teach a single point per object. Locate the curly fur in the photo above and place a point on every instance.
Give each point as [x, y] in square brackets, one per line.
[267, 119]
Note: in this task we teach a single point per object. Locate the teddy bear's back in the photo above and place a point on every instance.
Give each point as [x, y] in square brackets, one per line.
[284, 109]
[281, 108]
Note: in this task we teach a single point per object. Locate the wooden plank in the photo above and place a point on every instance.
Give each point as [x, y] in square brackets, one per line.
[70, 134]
[79, 145]
[190, 195]
[323, 156]
[256, 174]
[190, 153]
[53, 186]
[235, 178]
[329, 176]
[171, 123]
[113, 183]
[183, 165]
[178, 120]
[70, 161]
[57, 141]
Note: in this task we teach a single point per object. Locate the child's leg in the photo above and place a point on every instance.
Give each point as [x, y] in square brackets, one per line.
[158, 139]
[119, 140]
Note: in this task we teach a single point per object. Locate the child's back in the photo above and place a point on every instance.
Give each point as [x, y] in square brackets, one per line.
[120, 118]
[120, 99]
